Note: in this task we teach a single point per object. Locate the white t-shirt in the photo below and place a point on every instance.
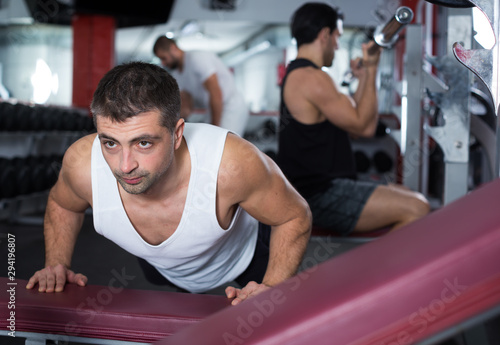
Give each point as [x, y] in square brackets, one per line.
[198, 66]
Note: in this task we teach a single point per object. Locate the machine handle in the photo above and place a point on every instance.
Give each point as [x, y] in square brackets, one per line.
[386, 36]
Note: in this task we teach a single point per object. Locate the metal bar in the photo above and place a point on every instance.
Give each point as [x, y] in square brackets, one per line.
[411, 109]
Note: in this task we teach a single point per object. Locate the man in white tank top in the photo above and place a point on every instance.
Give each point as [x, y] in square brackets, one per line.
[186, 198]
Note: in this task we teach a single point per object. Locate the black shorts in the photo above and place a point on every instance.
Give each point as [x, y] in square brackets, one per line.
[340, 205]
[254, 272]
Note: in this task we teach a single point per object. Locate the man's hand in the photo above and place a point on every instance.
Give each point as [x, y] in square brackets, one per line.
[248, 291]
[371, 53]
[357, 67]
[53, 279]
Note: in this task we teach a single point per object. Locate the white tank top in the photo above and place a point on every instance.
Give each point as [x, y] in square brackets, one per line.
[200, 255]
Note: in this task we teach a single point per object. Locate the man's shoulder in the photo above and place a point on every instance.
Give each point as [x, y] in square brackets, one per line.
[306, 75]
[206, 130]
[240, 152]
[75, 175]
[78, 155]
[200, 53]
[239, 161]
[197, 55]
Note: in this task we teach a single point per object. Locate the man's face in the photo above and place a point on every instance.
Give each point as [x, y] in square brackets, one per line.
[139, 151]
[333, 43]
[168, 58]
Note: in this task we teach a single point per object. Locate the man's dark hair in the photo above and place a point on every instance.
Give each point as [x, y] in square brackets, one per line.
[163, 43]
[136, 87]
[309, 19]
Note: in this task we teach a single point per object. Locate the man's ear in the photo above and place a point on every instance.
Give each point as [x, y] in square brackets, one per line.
[324, 34]
[178, 132]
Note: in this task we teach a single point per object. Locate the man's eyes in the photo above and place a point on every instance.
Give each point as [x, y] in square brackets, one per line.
[144, 144]
[110, 144]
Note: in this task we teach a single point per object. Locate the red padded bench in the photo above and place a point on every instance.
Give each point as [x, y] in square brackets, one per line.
[412, 284]
[83, 314]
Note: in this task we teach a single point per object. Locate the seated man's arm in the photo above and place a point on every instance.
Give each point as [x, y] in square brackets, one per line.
[312, 97]
[66, 205]
[186, 104]
[261, 189]
[211, 84]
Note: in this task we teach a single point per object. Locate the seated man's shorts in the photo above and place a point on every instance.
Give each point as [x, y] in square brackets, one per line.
[339, 206]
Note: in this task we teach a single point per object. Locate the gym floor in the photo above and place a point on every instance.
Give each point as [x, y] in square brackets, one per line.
[97, 257]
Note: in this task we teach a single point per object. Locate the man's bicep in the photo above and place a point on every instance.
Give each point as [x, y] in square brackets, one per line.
[66, 195]
[73, 189]
[271, 199]
[329, 100]
[338, 108]
[211, 84]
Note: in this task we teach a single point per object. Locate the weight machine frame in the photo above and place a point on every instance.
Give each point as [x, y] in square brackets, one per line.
[450, 90]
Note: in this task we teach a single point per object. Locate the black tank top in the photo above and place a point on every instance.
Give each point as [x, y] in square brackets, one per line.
[311, 156]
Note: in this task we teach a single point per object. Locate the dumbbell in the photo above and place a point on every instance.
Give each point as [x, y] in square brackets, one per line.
[46, 117]
[32, 174]
[24, 180]
[35, 120]
[53, 165]
[17, 117]
[382, 162]
[69, 120]
[89, 124]
[7, 118]
[8, 187]
[44, 173]
[25, 175]
[362, 162]
[22, 117]
[86, 123]
[266, 133]
[58, 118]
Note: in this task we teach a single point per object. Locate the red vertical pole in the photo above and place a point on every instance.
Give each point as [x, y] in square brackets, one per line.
[93, 54]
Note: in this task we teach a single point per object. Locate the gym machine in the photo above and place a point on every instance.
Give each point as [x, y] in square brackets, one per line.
[441, 85]
[484, 64]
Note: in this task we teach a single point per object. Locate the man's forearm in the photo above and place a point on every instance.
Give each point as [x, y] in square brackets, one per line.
[186, 104]
[61, 228]
[216, 110]
[286, 250]
[366, 97]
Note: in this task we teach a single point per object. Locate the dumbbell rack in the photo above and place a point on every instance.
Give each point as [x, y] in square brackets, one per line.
[262, 131]
[376, 157]
[33, 140]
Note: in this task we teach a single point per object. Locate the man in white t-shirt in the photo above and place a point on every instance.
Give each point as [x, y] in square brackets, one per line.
[205, 82]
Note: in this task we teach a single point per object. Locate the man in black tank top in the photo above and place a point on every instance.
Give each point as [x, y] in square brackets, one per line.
[316, 121]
